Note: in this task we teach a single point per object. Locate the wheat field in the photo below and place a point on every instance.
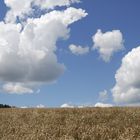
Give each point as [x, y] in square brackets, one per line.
[70, 124]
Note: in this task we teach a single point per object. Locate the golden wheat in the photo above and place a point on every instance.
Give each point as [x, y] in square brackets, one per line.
[70, 124]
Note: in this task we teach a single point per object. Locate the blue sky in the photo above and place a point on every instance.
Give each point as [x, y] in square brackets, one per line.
[85, 75]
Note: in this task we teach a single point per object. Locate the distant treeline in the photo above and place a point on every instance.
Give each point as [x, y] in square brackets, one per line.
[4, 106]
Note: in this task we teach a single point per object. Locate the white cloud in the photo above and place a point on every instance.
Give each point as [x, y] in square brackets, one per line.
[27, 51]
[81, 106]
[23, 107]
[78, 50]
[103, 95]
[16, 88]
[103, 105]
[40, 106]
[66, 17]
[127, 87]
[66, 106]
[69, 105]
[18, 8]
[21, 9]
[29, 56]
[51, 4]
[108, 43]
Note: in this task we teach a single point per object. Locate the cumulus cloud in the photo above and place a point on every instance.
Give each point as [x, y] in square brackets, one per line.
[22, 9]
[66, 106]
[17, 9]
[50, 4]
[40, 106]
[16, 88]
[69, 105]
[103, 95]
[108, 43]
[23, 107]
[66, 17]
[28, 56]
[103, 105]
[127, 87]
[78, 50]
[27, 51]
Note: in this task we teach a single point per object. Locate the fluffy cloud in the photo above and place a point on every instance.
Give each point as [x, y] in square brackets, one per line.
[16, 88]
[50, 4]
[29, 56]
[17, 9]
[127, 87]
[108, 43]
[103, 105]
[22, 9]
[23, 107]
[66, 106]
[66, 17]
[40, 106]
[103, 95]
[78, 50]
[27, 51]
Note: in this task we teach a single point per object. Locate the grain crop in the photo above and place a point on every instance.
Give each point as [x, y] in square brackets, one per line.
[116, 123]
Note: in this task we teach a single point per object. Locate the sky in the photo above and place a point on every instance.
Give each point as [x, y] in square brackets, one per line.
[65, 53]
